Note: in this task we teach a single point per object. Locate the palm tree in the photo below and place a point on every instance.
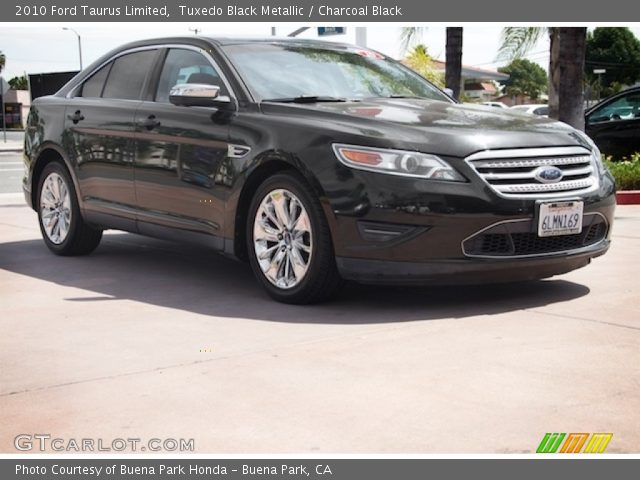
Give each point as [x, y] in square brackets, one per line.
[566, 66]
[453, 65]
[419, 60]
[2, 61]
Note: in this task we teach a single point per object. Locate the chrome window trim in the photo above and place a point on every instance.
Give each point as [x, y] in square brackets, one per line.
[200, 50]
[532, 255]
[532, 153]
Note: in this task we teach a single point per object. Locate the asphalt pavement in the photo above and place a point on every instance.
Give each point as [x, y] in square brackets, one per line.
[149, 339]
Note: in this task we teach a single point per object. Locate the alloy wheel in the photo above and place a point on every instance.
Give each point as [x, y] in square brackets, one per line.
[282, 238]
[55, 208]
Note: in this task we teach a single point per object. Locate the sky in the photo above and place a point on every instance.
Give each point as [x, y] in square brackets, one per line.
[46, 47]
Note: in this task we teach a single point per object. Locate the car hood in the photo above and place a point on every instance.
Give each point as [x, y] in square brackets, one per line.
[434, 126]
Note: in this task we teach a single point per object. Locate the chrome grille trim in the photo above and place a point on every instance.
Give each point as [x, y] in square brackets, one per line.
[512, 173]
[534, 162]
[545, 187]
[517, 176]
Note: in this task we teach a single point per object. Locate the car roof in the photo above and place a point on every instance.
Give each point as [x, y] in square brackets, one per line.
[222, 41]
[258, 40]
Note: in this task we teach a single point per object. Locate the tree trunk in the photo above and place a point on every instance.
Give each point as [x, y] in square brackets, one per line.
[554, 72]
[453, 66]
[569, 80]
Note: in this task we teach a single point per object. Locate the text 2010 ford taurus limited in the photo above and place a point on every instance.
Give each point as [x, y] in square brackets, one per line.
[316, 162]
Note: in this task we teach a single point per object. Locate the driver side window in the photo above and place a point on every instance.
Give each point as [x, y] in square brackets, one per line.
[624, 108]
[186, 66]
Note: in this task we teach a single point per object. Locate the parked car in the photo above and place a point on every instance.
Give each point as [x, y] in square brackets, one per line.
[315, 162]
[534, 109]
[495, 104]
[614, 123]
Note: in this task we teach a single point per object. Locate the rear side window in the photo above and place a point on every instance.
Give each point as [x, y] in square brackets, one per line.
[127, 75]
[93, 87]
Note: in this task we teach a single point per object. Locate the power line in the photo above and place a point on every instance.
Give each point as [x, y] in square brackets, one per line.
[541, 54]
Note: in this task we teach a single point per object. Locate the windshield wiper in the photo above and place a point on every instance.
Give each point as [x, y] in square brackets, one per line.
[306, 99]
[404, 96]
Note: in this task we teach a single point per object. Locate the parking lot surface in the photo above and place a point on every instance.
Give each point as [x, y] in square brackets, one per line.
[147, 339]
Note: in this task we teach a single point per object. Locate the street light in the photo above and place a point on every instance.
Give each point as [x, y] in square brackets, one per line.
[599, 72]
[79, 43]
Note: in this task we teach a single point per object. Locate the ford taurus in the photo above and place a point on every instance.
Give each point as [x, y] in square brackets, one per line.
[316, 163]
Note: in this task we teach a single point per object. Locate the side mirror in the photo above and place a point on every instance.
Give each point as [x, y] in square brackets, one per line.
[199, 95]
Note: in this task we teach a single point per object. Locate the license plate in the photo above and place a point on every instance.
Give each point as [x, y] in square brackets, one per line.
[560, 218]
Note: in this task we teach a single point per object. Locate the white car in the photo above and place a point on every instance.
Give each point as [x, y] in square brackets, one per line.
[534, 109]
[495, 104]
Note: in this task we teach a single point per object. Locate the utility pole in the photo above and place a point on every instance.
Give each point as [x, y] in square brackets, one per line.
[79, 43]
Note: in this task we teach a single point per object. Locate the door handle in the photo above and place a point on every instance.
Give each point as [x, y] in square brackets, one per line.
[76, 117]
[150, 123]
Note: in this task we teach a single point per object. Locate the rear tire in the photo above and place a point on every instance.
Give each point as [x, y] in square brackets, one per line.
[289, 242]
[63, 229]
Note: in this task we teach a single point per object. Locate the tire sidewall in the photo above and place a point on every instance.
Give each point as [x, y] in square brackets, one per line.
[296, 185]
[56, 167]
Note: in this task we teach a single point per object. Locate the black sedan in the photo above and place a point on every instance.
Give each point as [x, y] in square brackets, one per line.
[614, 124]
[316, 163]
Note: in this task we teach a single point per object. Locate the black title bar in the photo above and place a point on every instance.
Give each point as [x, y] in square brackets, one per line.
[327, 11]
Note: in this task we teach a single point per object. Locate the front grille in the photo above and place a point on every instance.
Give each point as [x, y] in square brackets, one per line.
[520, 239]
[520, 172]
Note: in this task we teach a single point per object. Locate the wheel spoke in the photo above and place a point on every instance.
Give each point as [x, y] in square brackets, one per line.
[278, 200]
[302, 223]
[301, 246]
[299, 265]
[275, 266]
[287, 269]
[268, 252]
[264, 232]
[47, 200]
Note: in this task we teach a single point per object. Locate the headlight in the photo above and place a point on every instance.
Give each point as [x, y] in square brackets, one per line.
[397, 162]
[596, 156]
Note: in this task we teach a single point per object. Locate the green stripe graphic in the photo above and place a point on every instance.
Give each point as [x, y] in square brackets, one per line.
[550, 442]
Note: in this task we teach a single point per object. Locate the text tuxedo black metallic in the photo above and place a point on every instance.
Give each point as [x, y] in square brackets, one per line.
[316, 162]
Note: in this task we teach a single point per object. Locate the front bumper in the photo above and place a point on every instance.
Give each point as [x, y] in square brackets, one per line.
[403, 231]
[465, 271]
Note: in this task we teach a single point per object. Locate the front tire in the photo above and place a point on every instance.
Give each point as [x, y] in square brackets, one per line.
[289, 243]
[63, 229]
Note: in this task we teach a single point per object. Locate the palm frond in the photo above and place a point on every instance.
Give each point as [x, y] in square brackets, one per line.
[410, 35]
[518, 41]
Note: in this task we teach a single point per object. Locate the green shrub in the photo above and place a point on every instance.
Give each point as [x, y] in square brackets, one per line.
[625, 171]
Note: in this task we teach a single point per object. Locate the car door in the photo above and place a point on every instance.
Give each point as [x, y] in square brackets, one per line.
[181, 153]
[615, 126]
[100, 128]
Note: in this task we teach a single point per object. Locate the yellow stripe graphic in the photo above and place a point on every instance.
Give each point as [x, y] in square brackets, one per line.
[598, 442]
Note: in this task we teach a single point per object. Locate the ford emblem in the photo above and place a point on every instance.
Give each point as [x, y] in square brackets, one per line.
[548, 174]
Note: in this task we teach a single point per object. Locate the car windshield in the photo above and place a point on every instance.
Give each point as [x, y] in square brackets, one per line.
[281, 72]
